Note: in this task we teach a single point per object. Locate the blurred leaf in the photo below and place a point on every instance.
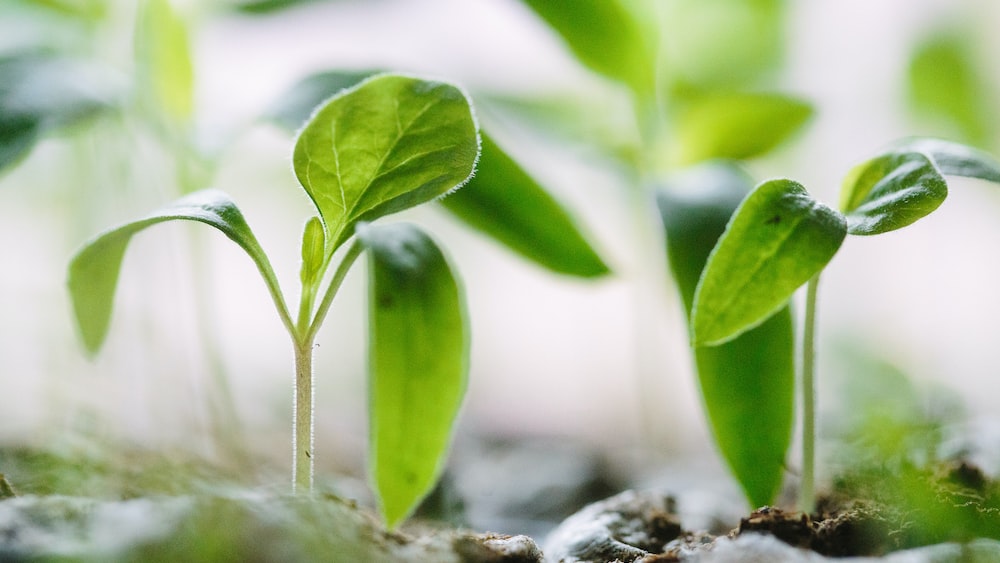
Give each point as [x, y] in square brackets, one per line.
[778, 239]
[891, 191]
[93, 271]
[268, 6]
[163, 59]
[39, 93]
[83, 9]
[295, 106]
[388, 144]
[748, 382]
[503, 201]
[711, 45]
[604, 36]
[418, 360]
[736, 126]
[6, 491]
[955, 159]
[946, 84]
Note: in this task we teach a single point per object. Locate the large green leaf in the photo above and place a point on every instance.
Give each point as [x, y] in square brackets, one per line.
[604, 36]
[955, 159]
[93, 271]
[891, 191]
[163, 59]
[736, 126]
[748, 382]
[39, 93]
[945, 84]
[778, 239]
[387, 144]
[503, 201]
[418, 362]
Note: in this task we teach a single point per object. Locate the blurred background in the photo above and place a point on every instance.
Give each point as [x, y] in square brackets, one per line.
[197, 358]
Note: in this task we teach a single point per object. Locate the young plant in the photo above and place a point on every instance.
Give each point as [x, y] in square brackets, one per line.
[387, 144]
[780, 238]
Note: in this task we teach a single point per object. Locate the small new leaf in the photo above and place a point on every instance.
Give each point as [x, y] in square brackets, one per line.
[313, 252]
[93, 271]
[778, 239]
[387, 144]
[891, 191]
[418, 354]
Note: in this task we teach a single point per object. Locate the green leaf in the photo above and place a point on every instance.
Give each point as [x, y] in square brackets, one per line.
[313, 252]
[294, 107]
[163, 59]
[387, 144]
[604, 36]
[955, 159]
[503, 201]
[778, 239]
[736, 126]
[268, 6]
[946, 84]
[93, 271]
[40, 93]
[891, 191]
[713, 45]
[748, 382]
[418, 362]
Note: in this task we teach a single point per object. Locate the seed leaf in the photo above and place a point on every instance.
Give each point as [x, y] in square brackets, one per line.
[891, 191]
[418, 356]
[777, 240]
[93, 271]
[604, 36]
[750, 380]
[387, 144]
[955, 159]
[506, 203]
[737, 126]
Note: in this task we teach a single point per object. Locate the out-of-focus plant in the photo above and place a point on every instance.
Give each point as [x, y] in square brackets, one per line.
[780, 238]
[390, 143]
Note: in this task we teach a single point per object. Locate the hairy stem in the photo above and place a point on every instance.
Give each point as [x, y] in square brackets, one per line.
[807, 492]
[302, 425]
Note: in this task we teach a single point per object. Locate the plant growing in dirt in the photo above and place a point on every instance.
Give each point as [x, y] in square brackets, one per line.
[780, 239]
[387, 144]
[683, 94]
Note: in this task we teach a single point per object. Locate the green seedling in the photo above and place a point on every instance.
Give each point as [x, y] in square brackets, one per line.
[780, 239]
[387, 144]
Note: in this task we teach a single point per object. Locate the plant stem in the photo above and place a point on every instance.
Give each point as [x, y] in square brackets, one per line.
[807, 498]
[302, 430]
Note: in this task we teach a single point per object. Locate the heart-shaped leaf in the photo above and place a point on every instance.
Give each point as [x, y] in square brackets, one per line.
[748, 382]
[418, 363]
[93, 271]
[504, 202]
[387, 144]
[891, 191]
[955, 159]
[736, 126]
[778, 239]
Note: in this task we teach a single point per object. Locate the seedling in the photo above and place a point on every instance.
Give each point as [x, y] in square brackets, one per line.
[780, 239]
[387, 144]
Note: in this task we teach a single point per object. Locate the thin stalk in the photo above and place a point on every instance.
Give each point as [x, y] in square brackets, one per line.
[807, 492]
[303, 434]
[302, 425]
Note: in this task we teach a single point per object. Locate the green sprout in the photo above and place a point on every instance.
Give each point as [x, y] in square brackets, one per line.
[387, 144]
